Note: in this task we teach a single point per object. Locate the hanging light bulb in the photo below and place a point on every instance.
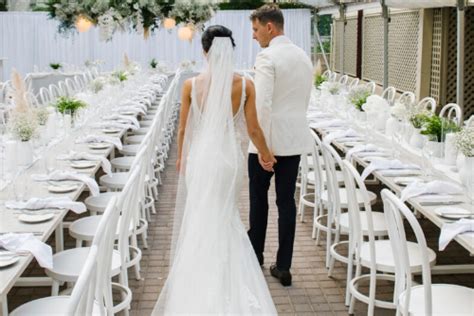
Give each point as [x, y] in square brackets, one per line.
[83, 24]
[186, 33]
[169, 23]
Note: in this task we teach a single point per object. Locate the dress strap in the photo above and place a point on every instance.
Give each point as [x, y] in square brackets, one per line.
[244, 96]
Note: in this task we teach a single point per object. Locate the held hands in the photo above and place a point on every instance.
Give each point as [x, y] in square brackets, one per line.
[267, 161]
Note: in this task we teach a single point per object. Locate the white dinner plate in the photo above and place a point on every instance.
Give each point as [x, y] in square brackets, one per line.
[62, 188]
[28, 218]
[98, 145]
[8, 260]
[400, 172]
[453, 212]
[111, 130]
[127, 112]
[82, 164]
[406, 180]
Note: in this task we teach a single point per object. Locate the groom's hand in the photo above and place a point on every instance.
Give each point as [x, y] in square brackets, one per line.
[267, 162]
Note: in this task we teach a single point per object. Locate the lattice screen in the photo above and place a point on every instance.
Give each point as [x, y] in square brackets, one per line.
[403, 50]
[468, 61]
[350, 47]
[435, 78]
[372, 51]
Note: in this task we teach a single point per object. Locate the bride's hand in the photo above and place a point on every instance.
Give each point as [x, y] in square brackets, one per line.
[267, 161]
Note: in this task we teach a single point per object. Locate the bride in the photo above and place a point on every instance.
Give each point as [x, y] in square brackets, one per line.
[213, 268]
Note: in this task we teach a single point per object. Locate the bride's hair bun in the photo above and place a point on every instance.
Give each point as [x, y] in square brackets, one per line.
[215, 31]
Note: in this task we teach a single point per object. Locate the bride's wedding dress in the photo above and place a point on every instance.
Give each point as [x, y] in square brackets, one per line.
[214, 270]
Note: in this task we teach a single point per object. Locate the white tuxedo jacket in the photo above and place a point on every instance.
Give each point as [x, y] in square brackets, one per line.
[283, 82]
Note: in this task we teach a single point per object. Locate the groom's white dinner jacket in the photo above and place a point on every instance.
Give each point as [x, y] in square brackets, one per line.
[283, 82]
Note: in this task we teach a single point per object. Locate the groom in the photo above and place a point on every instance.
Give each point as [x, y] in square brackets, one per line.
[283, 82]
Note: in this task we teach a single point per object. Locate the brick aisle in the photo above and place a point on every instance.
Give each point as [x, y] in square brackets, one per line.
[312, 293]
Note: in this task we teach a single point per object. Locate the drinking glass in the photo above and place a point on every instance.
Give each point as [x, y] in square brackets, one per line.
[20, 187]
[427, 154]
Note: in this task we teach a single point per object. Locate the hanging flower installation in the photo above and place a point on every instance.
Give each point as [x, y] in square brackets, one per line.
[141, 16]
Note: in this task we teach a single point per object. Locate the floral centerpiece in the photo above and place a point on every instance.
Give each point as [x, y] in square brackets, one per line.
[192, 13]
[319, 78]
[465, 141]
[439, 127]
[332, 87]
[358, 96]
[120, 75]
[97, 84]
[42, 115]
[153, 63]
[65, 104]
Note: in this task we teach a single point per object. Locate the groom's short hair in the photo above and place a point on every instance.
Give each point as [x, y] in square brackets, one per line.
[269, 13]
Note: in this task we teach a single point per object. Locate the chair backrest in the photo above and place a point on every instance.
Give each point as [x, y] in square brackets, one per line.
[318, 169]
[333, 77]
[389, 94]
[79, 79]
[82, 296]
[343, 79]
[70, 86]
[371, 86]
[428, 104]
[32, 99]
[395, 213]
[407, 98]
[453, 112]
[327, 73]
[331, 161]
[55, 92]
[4, 87]
[63, 88]
[45, 96]
[353, 83]
[104, 239]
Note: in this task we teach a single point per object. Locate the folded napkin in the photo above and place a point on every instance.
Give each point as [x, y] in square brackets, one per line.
[73, 155]
[325, 123]
[451, 230]
[340, 134]
[361, 148]
[113, 124]
[386, 164]
[132, 120]
[418, 188]
[49, 202]
[100, 139]
[27, 242]
[132, 108]
[67, 175]
[134, 104]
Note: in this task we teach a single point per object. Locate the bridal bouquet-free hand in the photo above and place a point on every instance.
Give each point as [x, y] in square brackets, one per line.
[69, 104]
[465, 141]
[358, 96]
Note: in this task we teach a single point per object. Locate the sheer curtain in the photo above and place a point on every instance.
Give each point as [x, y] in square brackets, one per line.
[29, 39]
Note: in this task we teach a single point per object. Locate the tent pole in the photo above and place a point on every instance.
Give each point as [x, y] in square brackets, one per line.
[460, 55]
[385, 43]
[342, 16]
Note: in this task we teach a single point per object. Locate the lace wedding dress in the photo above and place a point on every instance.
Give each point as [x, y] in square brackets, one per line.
[214, 270]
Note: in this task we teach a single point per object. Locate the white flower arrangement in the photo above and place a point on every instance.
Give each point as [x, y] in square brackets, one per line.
[465, 141]
[42, 115]
[399, 110]
[97, 84]
[376, 103]
[193, 13]
[23, 125]
[187, 65]
[333, 87]
[358, 96]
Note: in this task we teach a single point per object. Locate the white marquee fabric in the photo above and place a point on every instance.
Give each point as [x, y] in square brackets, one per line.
[30, 38]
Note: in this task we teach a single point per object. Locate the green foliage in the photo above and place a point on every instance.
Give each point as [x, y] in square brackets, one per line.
[153, 63]
[55, 66]
[326, 47]
[66, 103]
[121, 75]
[324, 25]
[358, 97]
[319, 79]
[252, 5]
[439, 127]
[417, 120]
[3, 5]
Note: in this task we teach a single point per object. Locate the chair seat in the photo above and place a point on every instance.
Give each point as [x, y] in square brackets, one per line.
[130, 150]
[141, 131]
[67, 265]
[384, 256]
[343, 197]
[53, 305]
[98, 203]
[447, 299]
[122, 163]
[135, 139]
[312, 176]
[86, 227]
[114, 181]
[378, 219]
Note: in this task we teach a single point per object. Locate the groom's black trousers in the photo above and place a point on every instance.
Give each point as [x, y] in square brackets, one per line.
[286, 172]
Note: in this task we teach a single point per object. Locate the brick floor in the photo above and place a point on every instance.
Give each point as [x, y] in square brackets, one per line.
[312, 293]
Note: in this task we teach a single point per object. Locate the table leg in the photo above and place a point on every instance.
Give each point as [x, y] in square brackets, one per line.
[59, 238]
[4, 303]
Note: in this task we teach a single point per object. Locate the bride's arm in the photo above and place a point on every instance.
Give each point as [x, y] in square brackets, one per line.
[254, 130]
[183, 117]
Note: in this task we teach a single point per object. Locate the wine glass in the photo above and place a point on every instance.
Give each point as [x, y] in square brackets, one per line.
[428, 153]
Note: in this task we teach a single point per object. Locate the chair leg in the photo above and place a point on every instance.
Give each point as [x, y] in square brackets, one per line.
[55, 288]
[352, 303]
[78, 243]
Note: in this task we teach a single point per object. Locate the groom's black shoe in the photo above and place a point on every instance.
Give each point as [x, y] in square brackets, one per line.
[283, 276]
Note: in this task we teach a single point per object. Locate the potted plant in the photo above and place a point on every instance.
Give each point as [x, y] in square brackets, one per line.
[55, 66]
[67, 105]
[438, 127]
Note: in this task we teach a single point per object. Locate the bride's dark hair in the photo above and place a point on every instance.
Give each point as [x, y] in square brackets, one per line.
[215, 31]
